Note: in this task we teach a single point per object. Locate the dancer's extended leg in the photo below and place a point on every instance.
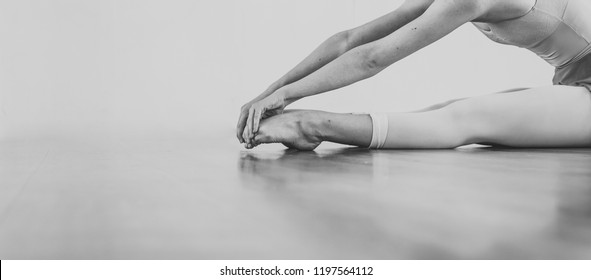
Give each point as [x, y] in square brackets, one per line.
[555, 116]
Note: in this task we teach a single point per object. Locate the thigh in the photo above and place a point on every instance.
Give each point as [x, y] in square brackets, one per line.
[553, 116]
[446, 103]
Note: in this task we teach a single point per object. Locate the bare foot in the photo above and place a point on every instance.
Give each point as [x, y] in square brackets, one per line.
[294, 129]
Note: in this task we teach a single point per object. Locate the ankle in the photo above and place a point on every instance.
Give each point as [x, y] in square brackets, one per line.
[313, 125]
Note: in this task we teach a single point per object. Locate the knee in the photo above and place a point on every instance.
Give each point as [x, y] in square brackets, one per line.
[471, 122]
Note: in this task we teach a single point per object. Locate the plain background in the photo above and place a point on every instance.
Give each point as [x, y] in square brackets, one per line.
[124, 66]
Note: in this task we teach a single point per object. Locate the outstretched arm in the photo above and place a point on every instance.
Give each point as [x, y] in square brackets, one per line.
[339, 44]
[441, 18]
[342, 42]
[362, 62]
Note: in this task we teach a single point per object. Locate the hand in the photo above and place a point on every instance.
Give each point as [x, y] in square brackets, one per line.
[252, 113]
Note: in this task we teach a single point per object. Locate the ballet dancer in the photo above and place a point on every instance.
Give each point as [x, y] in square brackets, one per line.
[558, 31]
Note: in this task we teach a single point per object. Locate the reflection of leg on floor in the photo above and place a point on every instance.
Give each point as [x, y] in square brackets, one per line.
[554, 116]
[290, 167]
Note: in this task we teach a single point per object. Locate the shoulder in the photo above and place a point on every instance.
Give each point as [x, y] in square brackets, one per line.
[474, 8]
[418, 3]
[463, 4]
[458, 4]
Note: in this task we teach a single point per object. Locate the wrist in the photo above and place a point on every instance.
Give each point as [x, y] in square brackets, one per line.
[274, 87]
[285, 95]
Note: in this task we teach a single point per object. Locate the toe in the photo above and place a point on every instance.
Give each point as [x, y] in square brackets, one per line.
[289, 146]
[262, 138]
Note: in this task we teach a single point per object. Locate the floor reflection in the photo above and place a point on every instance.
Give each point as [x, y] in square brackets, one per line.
[572, 223]
[290, 167]
[170, 199]
[484, 203]
[567, 234]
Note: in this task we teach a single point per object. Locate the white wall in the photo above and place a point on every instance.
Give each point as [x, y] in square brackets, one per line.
[188, 65]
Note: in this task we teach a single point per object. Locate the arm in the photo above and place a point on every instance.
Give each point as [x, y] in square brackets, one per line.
[441, 18]
[365, 61]
[339, 44]
[342, 42]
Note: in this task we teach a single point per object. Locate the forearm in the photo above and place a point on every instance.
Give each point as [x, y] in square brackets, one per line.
[326, 52]
[349, 68]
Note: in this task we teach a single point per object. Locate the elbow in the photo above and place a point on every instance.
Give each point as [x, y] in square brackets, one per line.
[373, 65]
[416, 7]
[342, 41]
[372, 60]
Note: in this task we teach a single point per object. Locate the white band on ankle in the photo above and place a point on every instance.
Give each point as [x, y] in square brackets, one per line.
[380, 130]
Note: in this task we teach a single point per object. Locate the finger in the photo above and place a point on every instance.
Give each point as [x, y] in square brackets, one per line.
[240, 126]
[245, 137]
[249, 123]
[245, 134]
[257, 119]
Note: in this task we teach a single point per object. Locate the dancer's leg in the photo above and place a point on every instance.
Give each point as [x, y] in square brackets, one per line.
[305, 130]
[555, 116]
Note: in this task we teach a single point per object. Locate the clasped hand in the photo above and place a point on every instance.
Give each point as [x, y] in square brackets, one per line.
[253, 112]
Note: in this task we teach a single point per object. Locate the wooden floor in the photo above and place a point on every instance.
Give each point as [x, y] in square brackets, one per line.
[195, 198]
